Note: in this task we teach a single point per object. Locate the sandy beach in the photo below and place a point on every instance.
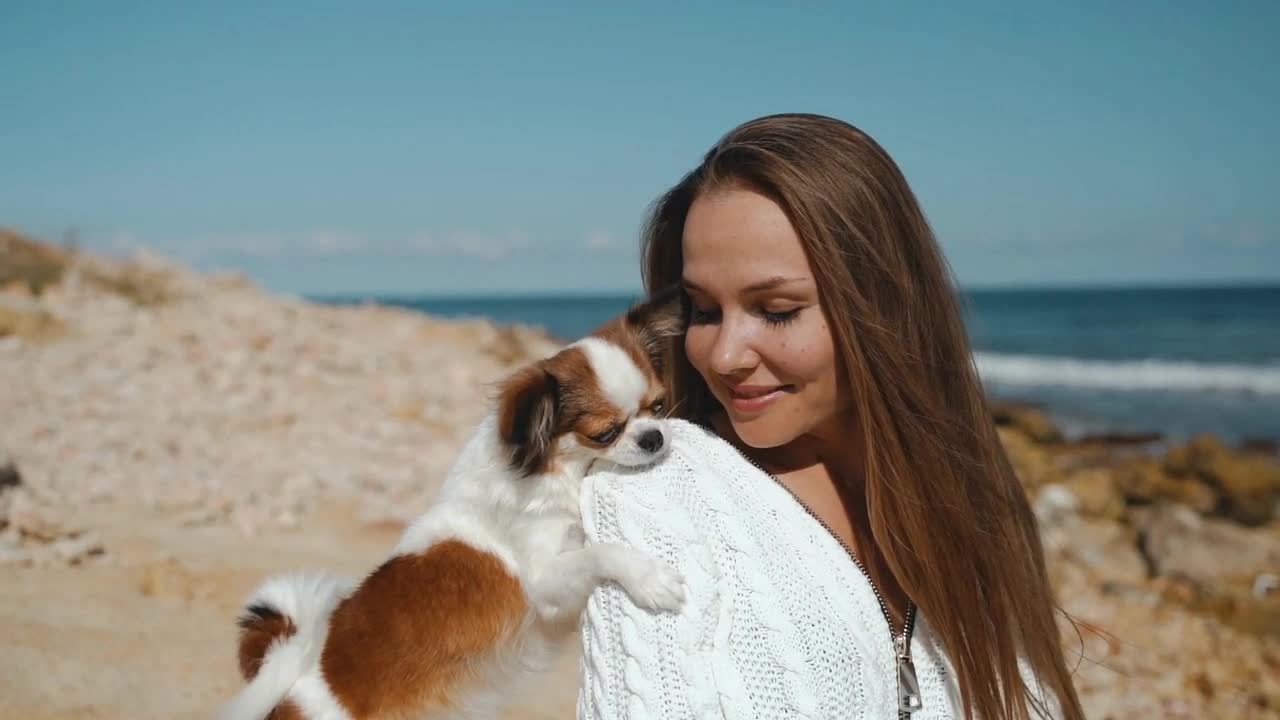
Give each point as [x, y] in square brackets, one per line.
[168, 438]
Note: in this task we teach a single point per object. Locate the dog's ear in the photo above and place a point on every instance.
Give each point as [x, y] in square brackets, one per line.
[657, 319]
[527, 413]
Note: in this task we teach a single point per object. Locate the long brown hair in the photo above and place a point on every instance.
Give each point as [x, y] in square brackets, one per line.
[946, 511]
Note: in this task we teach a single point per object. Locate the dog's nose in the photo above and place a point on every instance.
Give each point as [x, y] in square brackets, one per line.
[651, 441]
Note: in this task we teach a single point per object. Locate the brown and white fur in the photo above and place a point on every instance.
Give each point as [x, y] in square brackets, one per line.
[485, 588]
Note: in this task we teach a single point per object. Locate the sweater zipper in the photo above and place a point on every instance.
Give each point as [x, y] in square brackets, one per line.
[908, 686]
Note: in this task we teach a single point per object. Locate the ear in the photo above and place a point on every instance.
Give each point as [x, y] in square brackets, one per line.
[657, 319]
[527, 413]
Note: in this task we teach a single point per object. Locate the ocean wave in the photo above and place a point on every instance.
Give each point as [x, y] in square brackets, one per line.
[1042, 371]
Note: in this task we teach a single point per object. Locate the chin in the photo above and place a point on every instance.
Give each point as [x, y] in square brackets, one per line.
[761, 435]
[763, 431]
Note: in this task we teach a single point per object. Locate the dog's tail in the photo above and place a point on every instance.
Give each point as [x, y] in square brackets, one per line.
[282, 634]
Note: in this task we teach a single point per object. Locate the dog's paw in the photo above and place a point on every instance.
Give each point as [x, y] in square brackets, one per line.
[656, 586]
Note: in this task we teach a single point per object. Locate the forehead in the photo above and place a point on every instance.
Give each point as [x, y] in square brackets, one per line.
[735, 237]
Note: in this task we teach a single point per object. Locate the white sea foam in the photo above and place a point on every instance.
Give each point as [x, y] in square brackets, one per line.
[1045, 371]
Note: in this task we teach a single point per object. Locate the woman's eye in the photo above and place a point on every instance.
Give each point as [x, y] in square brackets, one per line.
[780, 318]
[607, 436]
[698, 316]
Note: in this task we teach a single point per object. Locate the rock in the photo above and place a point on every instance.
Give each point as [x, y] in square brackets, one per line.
[1031, 463]
[1098, 493]
[202, 516]
[74, 549]
[1146, 481]
[1260, 445]
[169, 579]
[1213, 566]
[1107, 549]
[1055, 506]
[1247, 485]
[1234, 603]
[25, 319]
[1176, 541]
[1190, 458]
[9, 476]
[1120, 439]
[21, 557]
[1027, 419]
[34, 520]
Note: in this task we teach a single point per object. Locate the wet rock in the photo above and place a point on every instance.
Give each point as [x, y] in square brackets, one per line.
[1121, 439]
[1260, 445]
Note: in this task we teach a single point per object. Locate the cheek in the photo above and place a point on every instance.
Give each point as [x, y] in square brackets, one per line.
[806, 354]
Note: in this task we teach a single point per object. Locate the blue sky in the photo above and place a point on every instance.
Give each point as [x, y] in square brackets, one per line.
[443, 148]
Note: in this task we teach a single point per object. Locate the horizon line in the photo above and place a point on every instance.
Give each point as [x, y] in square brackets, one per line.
[583, 293]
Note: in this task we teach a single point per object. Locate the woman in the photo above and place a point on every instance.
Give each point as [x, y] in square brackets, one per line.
[824, 347]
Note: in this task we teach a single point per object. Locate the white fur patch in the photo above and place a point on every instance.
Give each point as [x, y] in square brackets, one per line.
[307, 599]
[442, 523]
[313, 697]
[622, 382]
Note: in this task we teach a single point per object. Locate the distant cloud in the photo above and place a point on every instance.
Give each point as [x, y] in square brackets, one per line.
[488, 247]
[1249, 237]
[601, 241]
[336, 243]
[124, 241]
[339, 243]
[331, 242]
[256, 245]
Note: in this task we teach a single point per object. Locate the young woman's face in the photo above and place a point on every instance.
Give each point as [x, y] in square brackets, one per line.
[757, 334]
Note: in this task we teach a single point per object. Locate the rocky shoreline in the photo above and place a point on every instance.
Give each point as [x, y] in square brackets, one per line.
[202, 404]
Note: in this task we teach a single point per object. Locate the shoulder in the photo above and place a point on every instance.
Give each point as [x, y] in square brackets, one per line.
[700, 474]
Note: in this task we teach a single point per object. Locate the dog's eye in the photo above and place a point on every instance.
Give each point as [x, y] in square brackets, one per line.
[657, 407]
[607, 436]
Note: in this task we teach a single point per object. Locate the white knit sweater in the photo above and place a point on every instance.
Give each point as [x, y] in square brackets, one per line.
[779, 623]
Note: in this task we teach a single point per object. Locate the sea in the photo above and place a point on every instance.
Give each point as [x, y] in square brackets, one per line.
[1176, 361]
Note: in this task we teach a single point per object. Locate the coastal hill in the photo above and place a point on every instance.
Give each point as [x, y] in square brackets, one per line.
[170, 437]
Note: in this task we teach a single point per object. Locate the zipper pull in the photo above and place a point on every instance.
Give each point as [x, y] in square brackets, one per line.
[908, 685]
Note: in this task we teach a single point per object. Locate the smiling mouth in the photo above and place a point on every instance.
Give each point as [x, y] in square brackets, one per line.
[756, 400]
[758, 392]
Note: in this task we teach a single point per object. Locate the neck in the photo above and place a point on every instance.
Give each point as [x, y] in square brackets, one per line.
[833, 447]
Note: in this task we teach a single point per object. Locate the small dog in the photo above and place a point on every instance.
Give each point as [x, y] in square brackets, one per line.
[484, 589]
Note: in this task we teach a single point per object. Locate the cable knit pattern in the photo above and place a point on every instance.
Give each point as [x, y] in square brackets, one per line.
[779, 622]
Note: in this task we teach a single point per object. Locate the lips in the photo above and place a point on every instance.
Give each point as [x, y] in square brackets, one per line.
[752, 391]
[754, 398]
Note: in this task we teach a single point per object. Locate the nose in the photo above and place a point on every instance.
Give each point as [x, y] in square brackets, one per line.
[731, 353]
[650, 441]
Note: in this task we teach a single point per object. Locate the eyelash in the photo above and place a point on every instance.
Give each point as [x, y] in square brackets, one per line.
[775, 319]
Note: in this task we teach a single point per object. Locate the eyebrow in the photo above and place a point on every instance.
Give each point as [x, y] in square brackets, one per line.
[767, 284]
